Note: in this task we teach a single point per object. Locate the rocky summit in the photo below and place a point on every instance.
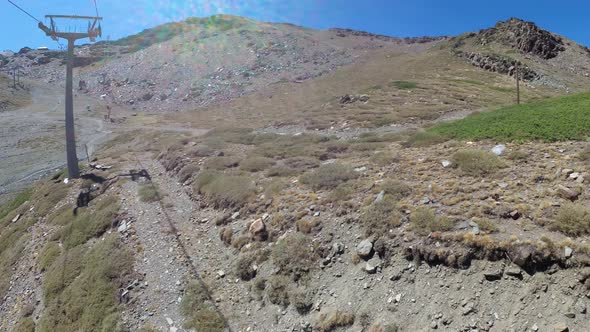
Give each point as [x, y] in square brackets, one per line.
[239, 175]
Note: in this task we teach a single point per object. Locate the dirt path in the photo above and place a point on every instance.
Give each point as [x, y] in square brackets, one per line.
[31, 138]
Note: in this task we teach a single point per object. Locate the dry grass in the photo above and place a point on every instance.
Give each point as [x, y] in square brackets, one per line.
[256, 164]
[25, 324]
[149, 193]
[585, 154]
[380, 217]
[328, 176]
[199, 312]
[223, 190]
[572, 219]
[293, 255]
[221, 163]
[396, 189]
[80, 288]
[477, 162]
[336, 319]
[423, 139]
[424, 221]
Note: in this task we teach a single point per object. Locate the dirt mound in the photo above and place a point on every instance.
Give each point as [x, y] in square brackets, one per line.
[524, 36]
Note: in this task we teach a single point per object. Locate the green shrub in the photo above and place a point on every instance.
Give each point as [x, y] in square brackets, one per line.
[198, 310]
[423, 139]
[328, 176]
[476, 162]
[380, 217]
[293, 254]
[396, 189]
[277, 290]
[26, 324]
[49, 254]
[404, 85]
[424, 221]
[256, 164]
[517, 155]
[226, 191]
[572, 219]
[149, 193]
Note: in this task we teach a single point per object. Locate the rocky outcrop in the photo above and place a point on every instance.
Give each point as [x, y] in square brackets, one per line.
[499, 64]
[524, 36]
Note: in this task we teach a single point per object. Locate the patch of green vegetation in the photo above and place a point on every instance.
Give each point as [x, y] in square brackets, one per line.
[256, 164]
[476, 162]
[287, 146]
[274, 187]
[277, 290]
[80, 288]
[198, 310]
[293, 255]
[424, 138]
[223, 190]
[49, 254]
[424, 221]
[89, 223]
[25, 324]
[556, 119]
[19, 200]
[149, 192]
[395, 189]
[404, 85]
[572, 219]
[380, 217]
[13, 238]
[328, 176]
[243, 136]
[47, 195]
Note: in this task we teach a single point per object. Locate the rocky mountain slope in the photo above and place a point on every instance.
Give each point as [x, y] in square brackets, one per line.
[310, 185]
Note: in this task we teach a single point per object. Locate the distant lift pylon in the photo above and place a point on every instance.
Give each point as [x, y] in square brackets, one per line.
[94, 30]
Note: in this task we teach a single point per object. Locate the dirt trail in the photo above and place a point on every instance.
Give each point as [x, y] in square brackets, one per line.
[31, 138]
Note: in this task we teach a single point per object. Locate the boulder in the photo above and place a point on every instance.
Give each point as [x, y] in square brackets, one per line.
[365, 248]
[258, 231]
[567, 193]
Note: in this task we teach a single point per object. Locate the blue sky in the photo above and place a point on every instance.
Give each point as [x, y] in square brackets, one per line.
[390, 17]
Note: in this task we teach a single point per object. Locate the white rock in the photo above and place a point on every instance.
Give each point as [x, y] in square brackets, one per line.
[446, 163]
[170, 321]
[567, 251]
[66, 180]
[398, 298]
[498, 150]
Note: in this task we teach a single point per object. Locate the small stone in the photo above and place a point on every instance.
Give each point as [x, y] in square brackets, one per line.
[425, 200]
[446, 163]
[433, 325]
[15, 219]
[567, 193]
[574, 175]
[535, 328]
[513, 271]
[493, 275]
[568, 252]
[398, 298]
[373, 264]
[173, 329]
[221, 273]
[502, 184]
[365, 248]
[170, 321]
[567, 171]
[475, 230]
[498, 150]
[235, 215]
[258, 230]
[560, 327]
[468, 308]
[380, 196]
[570, 314]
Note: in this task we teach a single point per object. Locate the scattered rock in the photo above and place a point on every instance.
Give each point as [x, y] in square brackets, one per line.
[568, 252]
[446, 163]
[380, 196]
[258, 231]
[373, 265]
[513, 271]
[499, 149]
[365, 248]
[567, 193]
[560, 327]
